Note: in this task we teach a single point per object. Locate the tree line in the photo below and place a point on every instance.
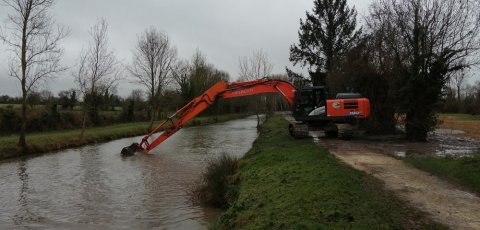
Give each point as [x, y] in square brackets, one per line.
[34, 39]
[403, 58]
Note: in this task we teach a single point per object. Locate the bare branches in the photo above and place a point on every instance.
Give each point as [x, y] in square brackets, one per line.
[255, 67]
[431, 29]
[34, 40]
[153, 61]
[97, 67]
[428, 42]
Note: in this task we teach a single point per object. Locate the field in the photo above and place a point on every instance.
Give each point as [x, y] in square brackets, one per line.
[470, 124]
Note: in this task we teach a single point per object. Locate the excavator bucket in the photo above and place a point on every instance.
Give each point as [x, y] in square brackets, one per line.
[130, 150]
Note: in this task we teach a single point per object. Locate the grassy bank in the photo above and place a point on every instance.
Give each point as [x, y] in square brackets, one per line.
[57, 140]
[288, 184]
[463, 171]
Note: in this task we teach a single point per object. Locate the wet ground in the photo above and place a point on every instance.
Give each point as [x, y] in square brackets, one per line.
[94, 187]
[441, 143]
[442, 201]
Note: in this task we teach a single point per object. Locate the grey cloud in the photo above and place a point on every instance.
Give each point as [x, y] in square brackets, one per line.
[223, 30]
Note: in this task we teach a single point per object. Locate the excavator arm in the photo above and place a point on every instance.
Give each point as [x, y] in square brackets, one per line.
[196, 106]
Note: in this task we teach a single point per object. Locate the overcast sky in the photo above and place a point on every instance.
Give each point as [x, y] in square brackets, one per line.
[223, 30]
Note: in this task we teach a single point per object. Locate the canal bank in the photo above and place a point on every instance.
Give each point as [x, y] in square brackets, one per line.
[58, 140]
[93, 187]
[287, 183]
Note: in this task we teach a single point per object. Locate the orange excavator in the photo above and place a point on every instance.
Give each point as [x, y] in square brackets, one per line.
[310, 109]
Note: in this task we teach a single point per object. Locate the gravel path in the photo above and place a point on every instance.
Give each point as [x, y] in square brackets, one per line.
[443, 201]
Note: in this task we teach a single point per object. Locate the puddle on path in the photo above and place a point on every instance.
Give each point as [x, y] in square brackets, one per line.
[442, 143]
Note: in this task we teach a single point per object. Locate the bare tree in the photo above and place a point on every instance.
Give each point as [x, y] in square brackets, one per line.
[193, 77]
[97, 69]
[429, 40]
[34, 40]
[181, 77]
[458, 81]
[255, 67]
[252, 68]
[153, 60]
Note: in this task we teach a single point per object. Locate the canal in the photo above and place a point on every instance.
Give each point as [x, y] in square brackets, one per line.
[94, 187]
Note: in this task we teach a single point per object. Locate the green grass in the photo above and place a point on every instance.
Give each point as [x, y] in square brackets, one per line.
[294, 184]
[464, 171]
[462, 116]
[14, 106]
[57, 140]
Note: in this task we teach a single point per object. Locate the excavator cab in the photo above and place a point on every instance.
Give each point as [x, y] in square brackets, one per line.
[309, 102]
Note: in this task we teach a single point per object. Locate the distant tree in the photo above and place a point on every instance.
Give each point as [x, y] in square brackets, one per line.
[252, 68]
[429, 40]
[5, 99]
[324, 37]
[46, 96]
[67, 98]
[153, 60]
[63, 98]
[203, 75]
[472, 99]
[458, 80]
[181, 76]
[192, 78]
[255, 67]
[296, 79]
[73, 98]
[34, 98]
[34, 41]
[97, 70]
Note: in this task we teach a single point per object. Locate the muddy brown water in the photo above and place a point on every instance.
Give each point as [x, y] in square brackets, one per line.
[94, 187]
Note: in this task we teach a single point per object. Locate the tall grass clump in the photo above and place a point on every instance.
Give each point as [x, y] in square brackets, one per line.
[218, 183]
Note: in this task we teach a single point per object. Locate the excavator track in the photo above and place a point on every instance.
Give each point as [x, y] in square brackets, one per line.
[298, 130]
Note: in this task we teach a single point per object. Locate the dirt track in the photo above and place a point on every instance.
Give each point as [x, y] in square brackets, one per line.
[441, 200]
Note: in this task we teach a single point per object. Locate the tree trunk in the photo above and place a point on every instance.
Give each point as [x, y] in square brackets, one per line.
[459, 95]
[416, 126]
[152, 118]
[84, 122]
[21, 140]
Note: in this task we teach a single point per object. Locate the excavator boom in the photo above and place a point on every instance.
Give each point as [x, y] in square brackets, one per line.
[196, 106]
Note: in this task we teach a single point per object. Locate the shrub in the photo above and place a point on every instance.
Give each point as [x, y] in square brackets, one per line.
[218, 186]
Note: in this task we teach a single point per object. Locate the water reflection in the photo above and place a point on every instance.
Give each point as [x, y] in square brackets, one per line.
[94, 187]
